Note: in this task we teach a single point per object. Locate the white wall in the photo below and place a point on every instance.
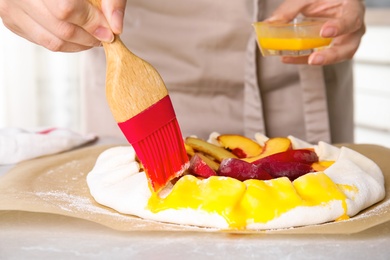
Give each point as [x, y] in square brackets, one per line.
[372, 82]
[37, 87]
[18, 88]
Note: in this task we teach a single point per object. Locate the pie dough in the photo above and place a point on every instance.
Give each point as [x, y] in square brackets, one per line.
[350, 185]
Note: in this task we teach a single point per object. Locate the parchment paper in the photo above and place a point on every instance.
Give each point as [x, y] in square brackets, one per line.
[57, 185]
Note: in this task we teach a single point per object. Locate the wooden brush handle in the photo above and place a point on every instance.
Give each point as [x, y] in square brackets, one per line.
[97, 3]
[132, 84]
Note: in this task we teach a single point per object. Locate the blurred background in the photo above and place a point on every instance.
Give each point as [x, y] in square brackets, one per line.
[40, 88]
[372, 77]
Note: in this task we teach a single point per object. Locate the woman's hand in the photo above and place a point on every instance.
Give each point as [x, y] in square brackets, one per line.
[63, 25]
[345, 25]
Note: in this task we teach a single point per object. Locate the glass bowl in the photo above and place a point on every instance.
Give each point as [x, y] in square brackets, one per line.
[299, 37]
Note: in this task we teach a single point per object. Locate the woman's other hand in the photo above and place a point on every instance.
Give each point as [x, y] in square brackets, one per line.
[345, 25]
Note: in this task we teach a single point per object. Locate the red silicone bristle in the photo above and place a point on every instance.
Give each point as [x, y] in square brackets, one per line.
[163, 155]
[156, 137]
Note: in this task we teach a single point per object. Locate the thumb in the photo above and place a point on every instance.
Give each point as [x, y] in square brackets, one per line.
[114, 11]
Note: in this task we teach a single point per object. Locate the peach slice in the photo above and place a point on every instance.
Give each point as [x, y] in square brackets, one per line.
[190, 151]
[202, 166]
[321, 165]
[272, 146]
[239, 145]
[207, 148]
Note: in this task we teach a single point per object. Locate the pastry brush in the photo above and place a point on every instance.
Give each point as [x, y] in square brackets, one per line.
[140, 104]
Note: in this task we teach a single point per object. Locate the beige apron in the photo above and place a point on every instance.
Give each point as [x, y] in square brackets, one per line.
[207, 55]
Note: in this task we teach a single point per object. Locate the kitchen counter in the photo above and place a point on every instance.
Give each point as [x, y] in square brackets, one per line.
[26, 235]
[30, 235]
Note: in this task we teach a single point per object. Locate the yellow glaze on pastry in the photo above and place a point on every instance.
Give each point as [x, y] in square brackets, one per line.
[251, 201]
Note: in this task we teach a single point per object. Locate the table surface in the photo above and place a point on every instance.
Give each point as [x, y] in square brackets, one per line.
[28, 235]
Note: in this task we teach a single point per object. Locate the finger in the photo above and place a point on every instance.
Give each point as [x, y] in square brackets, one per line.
[344, 48]
[65, 31]
[344, 16]
[343, 25]
[34, 32]
[114, 11]
[83, 14]
[44, 38]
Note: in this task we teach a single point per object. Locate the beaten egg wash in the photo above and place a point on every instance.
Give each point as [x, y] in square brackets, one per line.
[251, 201]
[294, 44]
